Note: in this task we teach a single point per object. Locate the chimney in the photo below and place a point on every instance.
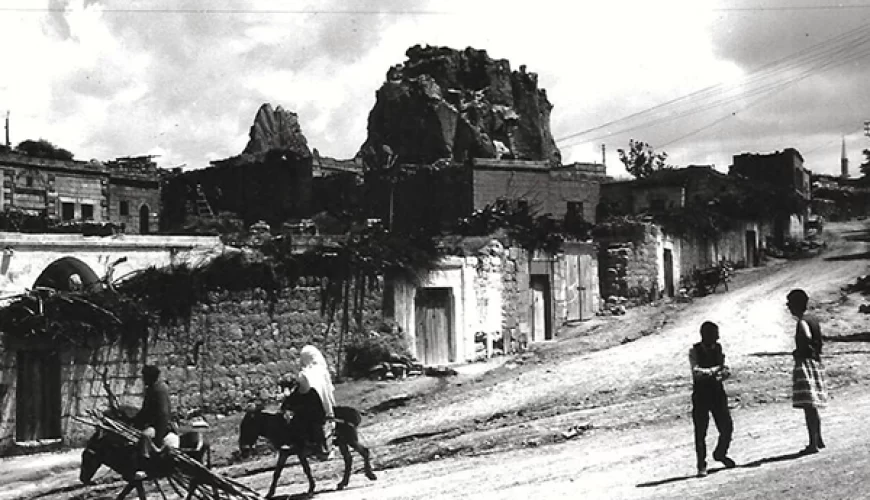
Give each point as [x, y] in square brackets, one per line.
[7, 128]
[604, 157]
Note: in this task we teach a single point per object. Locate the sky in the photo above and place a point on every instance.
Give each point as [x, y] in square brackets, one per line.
[701, 80]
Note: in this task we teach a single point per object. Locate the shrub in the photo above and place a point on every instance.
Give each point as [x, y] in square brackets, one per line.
[367, 350]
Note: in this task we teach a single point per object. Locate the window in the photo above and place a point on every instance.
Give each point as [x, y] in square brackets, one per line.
[575, 210]
[523, 205]
[657, 204]
[124, 208]
[29, 181]
[67, 211]
[87, 212]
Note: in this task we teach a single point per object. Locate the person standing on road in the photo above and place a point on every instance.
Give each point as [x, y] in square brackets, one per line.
[809, 390]
[708, 396]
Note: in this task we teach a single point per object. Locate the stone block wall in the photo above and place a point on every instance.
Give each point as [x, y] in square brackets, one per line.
[630, 267]
[236, 349]
[516, 300]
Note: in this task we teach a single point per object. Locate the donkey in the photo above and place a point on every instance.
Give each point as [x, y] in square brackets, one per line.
[112, 450]
[292, 437]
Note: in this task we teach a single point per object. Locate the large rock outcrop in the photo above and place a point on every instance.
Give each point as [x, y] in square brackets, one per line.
[270, 180]
[276, 129]
[445, 103]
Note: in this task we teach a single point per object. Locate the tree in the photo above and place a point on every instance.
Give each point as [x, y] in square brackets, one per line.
[865, 167]
[43, 149]
[641, 159]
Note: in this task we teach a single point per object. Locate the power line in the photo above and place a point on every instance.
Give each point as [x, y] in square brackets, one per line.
[791, 8]
[351, 12]
[833, 52]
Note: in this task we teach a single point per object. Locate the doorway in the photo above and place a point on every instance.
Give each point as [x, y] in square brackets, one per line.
[38, 396]
[751, 249]
[144, 220]
[669, 272]
[434, 326]
[541, 320]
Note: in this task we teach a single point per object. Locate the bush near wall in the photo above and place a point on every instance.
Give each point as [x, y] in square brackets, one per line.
[239, 345]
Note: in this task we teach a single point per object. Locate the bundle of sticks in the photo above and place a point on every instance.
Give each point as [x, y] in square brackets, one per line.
[188, 477]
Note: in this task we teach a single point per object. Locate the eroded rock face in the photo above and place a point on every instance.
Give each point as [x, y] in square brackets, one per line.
[445, 103]
[276, 129]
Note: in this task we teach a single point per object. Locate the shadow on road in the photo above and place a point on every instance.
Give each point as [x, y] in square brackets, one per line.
[854, 256]
[753, 464]
[770, 460]
[675, 479]
[770, 354]
[855, 337]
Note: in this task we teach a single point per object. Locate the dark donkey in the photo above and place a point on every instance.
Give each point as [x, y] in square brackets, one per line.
[114, 451]
[294, 437]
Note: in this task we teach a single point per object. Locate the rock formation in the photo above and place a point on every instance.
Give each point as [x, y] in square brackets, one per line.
[270, 180]
[445, 103]
[276, 129]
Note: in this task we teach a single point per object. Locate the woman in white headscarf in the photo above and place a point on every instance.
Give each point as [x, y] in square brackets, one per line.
[315, 376]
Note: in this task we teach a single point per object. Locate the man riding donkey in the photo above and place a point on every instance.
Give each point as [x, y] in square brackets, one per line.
[314, 383]
[155, 420]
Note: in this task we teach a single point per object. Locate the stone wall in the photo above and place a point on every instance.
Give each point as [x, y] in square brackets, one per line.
[630, 263]
[236, 349]
[489, 290]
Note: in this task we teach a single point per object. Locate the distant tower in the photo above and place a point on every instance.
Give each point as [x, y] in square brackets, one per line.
[844, 162]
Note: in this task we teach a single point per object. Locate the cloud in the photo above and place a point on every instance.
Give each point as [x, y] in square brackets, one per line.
[186, 78]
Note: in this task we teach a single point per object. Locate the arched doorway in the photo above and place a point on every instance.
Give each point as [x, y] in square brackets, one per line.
[65, 273]
[144, 219]
[38, 401]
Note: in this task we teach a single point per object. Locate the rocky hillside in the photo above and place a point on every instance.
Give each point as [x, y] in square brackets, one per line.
[445, 103]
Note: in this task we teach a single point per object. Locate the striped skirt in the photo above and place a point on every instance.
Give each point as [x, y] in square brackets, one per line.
[809, 389]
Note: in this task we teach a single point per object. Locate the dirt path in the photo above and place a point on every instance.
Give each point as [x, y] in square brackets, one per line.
[493, 433]
[609, 463]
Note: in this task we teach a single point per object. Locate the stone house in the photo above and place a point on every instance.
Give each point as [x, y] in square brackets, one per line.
[646, 260]
[442, 193]
[785, 169]
[495, 300]
[122, 191]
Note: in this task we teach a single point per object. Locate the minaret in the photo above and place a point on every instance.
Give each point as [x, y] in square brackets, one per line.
[844, 162]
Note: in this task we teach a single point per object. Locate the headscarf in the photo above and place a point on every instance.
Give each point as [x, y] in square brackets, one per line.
[315, 375]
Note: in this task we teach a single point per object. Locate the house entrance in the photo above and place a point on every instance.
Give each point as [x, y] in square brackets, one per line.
[541, 321]
[669, 272]
[751, 249]
[580, 287]
[144, 220]
[434, 331]
[38, 401]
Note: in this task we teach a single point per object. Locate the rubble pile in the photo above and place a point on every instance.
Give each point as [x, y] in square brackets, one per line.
[613, 306]
[796, 249]
[862, 285]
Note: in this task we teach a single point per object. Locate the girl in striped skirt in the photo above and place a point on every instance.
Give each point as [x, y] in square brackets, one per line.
[809, 390]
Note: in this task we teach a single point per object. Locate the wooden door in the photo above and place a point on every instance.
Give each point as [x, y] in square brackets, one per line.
[573, 293]
[38, 392]
[751, 249]
[588, 306]
[434, 332]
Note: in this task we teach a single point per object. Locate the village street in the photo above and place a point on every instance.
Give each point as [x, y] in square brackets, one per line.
[621, 385]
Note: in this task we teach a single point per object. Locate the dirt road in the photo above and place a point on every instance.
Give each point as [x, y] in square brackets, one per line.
[643, 436]
[498, 434]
